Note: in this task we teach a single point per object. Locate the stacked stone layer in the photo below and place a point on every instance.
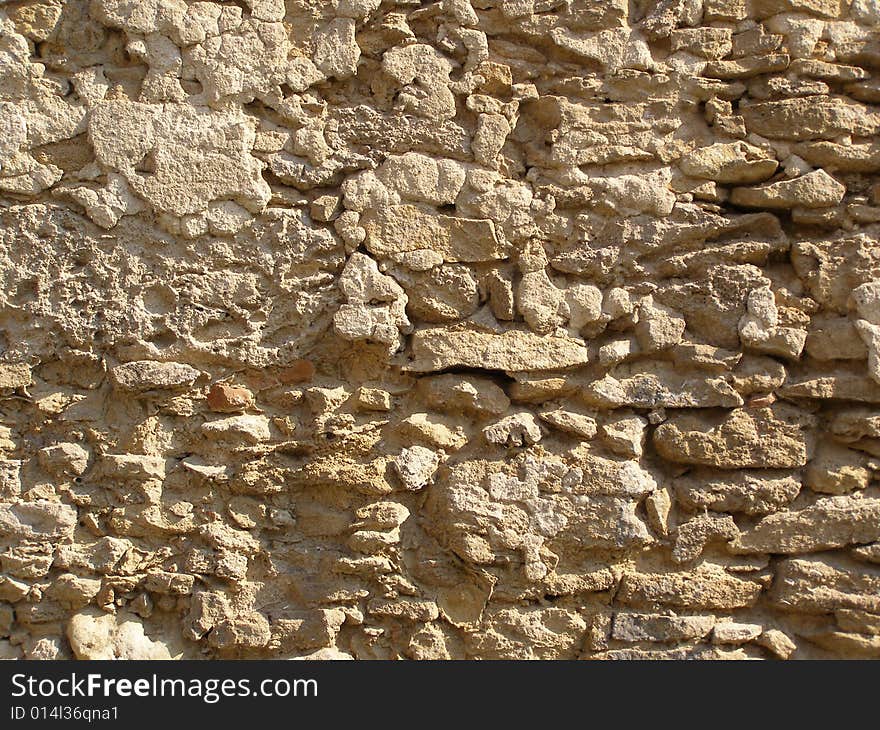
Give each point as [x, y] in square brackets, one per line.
[466, 329]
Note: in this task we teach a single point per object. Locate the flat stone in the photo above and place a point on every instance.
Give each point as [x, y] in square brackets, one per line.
[814, 117]
[401, 228]
[730, 632]
[746, 438]
[15, 375]
[658, 385]
[729, 162]
[745, 68]
[635, 627]
[705, 588]
[143, 376]
[40, 520]
[749, 492]
[812, 585]
[832, 522]
[440, 348]
[813, 190]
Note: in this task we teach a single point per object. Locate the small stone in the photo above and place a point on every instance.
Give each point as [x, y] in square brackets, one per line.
[144, 376]
[373, 399]
[779, 643]
[64, 458]
[570, 422]
[624, 435]
[14, 375]
[253, 429]
[225, 398]
[729, 163]
[416, 466]
[452, 393]
[730, 632]
[436, 431]
[519, 429]
[813, 190]
[659, 327]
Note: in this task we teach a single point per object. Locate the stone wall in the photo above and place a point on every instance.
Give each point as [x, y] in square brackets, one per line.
[470, 329]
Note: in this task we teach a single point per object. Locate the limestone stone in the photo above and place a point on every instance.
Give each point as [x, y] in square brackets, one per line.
[750, 492]
[456, 330]
[813, 190]
[707, 588]
[375, 308]
[658, 385]
[402, 228]
[439, 348]
[761, 438]
[811, 585]
[733, 162]
[633, 627]
[416, 466]
[517, 429]
[829, 523]
[145, 376]
[14, 375]
[730, 632]
[480, 396]
[817, 117]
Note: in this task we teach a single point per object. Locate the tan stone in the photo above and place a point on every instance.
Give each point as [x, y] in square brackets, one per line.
[759, 438]
[439, 348]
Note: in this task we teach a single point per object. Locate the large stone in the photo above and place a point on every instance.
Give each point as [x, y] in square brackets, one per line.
[831, 522]
[753, 493]
[440, 348]
[760, 438]
[818, 585]
[635, 627]
[729, 162]
[708, 587]
[402, 228]
[818, 117]
[143, 376]
[658, 385]
[39, 520]
[813, 190]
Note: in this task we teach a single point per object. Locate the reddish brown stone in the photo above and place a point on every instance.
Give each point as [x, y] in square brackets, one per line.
[225, 398]
[299, 371]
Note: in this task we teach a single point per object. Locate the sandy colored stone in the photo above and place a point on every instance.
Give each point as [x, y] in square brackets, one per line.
[511, 329]
[439, 348]
[746, 438]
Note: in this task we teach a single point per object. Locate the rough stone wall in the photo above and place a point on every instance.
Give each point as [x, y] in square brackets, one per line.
[470, 329]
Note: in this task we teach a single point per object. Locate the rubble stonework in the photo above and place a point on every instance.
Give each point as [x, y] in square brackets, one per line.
[462, 329]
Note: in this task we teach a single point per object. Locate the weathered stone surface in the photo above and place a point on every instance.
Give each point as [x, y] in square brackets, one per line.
[759, 438]
[753, 493]
[634, 627]
[831, 522]
[706, 588]
[812, 585]
[658, 385]
[506, 329]
[404, 228]
[14, 375]
[144, 376]
[439, 348]
[810, 118]
[734, 162]
[813, 190]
